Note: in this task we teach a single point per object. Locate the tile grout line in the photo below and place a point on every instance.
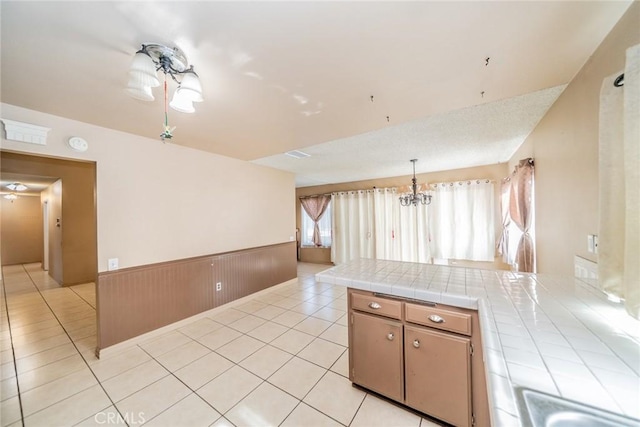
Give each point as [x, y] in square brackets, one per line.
[13, 351]
[82, 298]
[327, 370]
[266, 320]
[78, 350]
[588, 366]
[222, 415]
[176, 377]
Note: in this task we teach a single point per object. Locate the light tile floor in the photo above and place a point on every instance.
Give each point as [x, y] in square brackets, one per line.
[279, 359]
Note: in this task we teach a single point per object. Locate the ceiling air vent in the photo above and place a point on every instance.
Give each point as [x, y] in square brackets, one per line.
[297, 154]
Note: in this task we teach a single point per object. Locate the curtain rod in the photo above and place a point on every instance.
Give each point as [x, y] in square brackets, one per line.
[464, 181]
[314, 195]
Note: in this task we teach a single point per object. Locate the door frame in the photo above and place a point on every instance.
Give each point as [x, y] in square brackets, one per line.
[45, 228]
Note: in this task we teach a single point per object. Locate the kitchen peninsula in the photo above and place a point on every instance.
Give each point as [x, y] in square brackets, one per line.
[557, 335]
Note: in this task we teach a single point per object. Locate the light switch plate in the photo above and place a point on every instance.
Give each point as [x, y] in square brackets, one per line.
[112, 264]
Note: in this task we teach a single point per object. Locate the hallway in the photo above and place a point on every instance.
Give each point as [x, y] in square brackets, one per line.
[277, 358]
[47, 331]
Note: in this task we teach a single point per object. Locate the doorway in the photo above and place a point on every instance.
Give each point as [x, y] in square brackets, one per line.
[70, 254]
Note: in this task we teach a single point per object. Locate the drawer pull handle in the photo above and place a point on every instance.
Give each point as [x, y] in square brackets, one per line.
[416, 343]
[374, 305]
[436, 319]
[390, 336]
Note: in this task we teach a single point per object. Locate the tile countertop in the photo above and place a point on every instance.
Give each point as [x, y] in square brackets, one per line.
[555, 334]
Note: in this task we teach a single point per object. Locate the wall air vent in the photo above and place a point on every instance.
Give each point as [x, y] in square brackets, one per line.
[297, 154]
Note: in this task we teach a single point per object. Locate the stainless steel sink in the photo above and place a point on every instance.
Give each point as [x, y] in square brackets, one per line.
[538, 409]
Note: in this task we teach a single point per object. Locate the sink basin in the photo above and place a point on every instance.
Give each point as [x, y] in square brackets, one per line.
[538, 409]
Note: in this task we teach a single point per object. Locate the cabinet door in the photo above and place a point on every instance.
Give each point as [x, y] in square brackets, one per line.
[375, 355]
[438, 374]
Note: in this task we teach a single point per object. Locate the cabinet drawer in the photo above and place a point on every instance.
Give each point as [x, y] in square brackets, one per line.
[439, 318]
[376, 305]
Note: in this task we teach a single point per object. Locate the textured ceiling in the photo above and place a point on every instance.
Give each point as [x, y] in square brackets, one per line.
[472, 136]
[279, 76]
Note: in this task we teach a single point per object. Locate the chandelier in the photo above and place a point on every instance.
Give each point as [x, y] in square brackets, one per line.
[143, 75]
[415, 197]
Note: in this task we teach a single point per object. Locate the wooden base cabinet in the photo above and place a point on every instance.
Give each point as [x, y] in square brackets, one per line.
[438, 374]
[426, 356]
[378, 363]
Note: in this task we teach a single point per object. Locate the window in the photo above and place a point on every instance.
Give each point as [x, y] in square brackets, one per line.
[458, 224]
[324, 224]
[462, 221]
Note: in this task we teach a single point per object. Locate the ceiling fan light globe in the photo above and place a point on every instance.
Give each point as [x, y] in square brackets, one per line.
[140, 78]
[182, 103]
[142, 63]
[143, 93]
[191, 84]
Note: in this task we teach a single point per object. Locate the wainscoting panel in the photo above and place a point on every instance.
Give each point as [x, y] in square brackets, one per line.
[137, 300]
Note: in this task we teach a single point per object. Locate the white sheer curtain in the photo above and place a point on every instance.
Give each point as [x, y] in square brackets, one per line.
[372, 224]
[458, 224]
[402, 233]
[619, 193]
[387, 223]
[505, 243]
[462, 220]
[353, 226]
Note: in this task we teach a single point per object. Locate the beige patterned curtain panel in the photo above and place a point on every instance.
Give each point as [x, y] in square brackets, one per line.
[315, 207]
[516, 244]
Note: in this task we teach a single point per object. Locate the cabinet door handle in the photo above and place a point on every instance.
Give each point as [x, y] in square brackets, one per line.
[374, 305]
[390, 336]
[436, 319]
[416, 343]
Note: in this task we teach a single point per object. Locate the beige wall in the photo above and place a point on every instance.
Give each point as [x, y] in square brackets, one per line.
[22, 240]
[160, 202]
[493, 172]
[565, 148]
[316, 255]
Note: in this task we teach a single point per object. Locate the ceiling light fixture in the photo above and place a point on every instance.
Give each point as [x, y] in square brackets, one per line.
[11, 196]
[16, 186]
[143, 75]
[415, 197]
